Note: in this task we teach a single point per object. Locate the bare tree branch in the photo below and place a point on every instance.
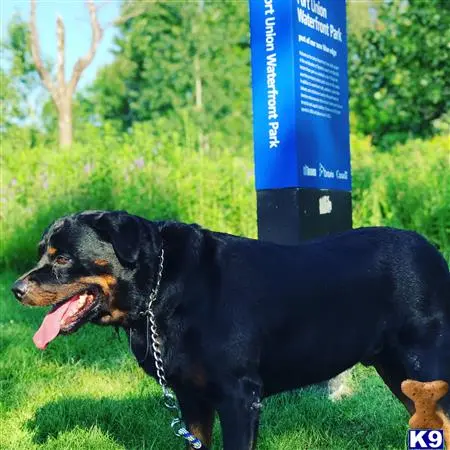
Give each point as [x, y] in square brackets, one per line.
[125, 18]
[44, 75]
[60, 66]
[60, 91]
[83, 62]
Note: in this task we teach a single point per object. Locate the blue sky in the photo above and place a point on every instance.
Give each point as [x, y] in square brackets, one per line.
[78, 34]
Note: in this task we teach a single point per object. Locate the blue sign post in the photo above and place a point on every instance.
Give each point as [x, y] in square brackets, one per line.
[301, 123]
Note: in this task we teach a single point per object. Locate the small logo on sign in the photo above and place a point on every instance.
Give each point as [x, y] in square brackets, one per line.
[425, 439]
[309, 171]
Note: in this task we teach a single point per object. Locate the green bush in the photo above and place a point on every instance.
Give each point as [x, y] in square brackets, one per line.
[407, 188]
[166, 175]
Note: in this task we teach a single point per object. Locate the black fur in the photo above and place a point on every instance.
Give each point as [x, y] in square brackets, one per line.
[241, 319]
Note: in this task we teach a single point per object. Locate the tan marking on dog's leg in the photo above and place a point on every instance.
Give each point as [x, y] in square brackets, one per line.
[203, 430]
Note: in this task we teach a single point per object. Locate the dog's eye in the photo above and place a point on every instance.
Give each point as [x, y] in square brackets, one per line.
[62, 260]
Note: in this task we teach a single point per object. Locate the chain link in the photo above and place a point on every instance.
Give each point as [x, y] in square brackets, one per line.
[169, 399]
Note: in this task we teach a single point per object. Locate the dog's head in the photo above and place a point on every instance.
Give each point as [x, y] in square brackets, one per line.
[89, 270]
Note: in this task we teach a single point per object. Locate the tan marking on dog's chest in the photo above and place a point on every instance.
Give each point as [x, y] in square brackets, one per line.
[101, 262]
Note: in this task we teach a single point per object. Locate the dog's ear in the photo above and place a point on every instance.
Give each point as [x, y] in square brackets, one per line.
[122, 230]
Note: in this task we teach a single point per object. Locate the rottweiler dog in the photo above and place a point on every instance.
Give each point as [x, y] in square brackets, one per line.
[239, 319]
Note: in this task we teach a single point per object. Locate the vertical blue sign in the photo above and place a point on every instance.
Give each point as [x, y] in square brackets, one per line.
[300, 94]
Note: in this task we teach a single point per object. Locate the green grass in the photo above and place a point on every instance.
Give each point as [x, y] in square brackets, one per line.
[86, 392]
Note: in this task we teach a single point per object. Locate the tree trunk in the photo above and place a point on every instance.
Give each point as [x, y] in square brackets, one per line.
[65, 122]
[62, 92]
[198, 84]
[202, 139]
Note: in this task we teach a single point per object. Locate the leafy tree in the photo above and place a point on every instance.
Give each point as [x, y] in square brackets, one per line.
[177, 58]
[361, 15]
[400, 71]
[19, 79]
[61, 90]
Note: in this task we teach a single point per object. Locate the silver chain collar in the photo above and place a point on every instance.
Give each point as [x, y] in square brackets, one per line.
[169, 398]
[150, 315]
[151, 323]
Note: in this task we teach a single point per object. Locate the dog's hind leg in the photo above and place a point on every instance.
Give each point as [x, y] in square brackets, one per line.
[422, 346]
[431, 363]
[392, 371]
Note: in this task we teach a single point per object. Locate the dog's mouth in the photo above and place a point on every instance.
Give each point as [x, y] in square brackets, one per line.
[67, 316]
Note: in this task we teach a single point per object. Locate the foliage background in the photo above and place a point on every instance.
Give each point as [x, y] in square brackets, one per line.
[168, 177]
[399, 72]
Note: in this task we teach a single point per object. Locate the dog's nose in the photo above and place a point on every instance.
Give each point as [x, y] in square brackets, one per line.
[19, 289]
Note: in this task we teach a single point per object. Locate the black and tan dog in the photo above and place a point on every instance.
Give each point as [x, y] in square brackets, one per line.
[239, 319]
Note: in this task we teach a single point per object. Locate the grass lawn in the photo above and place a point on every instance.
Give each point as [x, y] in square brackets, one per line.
[86, 392]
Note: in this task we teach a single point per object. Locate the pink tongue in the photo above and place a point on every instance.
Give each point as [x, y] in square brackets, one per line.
[51, 325]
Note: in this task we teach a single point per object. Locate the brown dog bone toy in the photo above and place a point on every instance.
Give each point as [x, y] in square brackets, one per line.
[425, 397]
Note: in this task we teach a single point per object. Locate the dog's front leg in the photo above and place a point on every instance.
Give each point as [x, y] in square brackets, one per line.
[198, 415]
[239, 414]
